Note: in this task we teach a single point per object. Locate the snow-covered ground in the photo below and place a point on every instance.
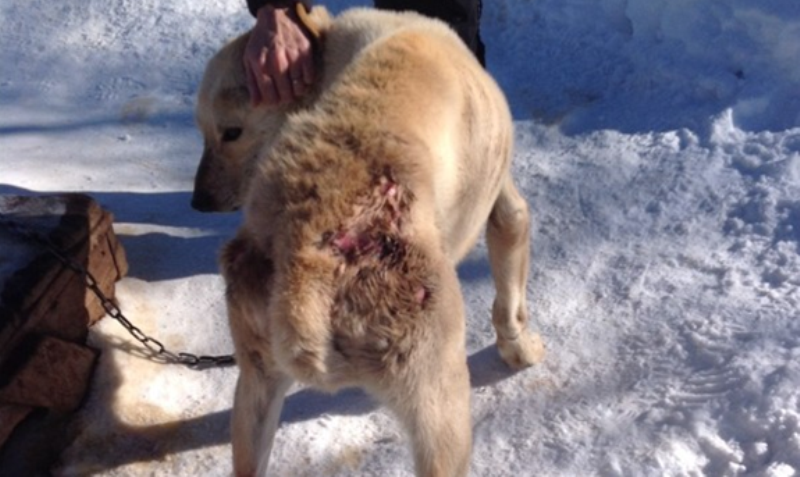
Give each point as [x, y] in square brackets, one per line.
[658, 143]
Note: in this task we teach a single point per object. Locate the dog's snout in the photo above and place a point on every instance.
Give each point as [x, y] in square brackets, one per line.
[206, 202]
[203, 202]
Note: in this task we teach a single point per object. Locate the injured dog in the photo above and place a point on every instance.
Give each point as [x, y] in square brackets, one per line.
[359, 201]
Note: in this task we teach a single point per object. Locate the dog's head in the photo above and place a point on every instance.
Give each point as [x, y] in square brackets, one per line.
[234, 131]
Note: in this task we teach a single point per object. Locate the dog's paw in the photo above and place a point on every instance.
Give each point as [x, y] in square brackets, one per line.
[525, 350]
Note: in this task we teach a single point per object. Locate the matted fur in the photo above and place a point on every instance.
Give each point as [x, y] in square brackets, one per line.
[358, 204]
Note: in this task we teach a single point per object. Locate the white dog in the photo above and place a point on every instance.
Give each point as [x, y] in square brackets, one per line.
[358, 204]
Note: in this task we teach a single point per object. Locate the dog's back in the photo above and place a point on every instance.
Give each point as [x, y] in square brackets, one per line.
[430, 86]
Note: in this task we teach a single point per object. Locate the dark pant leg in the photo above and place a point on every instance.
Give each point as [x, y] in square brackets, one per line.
[463, 16]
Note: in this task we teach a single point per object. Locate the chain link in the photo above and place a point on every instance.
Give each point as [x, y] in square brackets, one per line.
[111, 308]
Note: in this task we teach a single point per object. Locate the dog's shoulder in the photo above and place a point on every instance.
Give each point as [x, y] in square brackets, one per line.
[358, 30]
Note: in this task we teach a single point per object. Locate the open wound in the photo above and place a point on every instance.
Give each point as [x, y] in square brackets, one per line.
[373, 238]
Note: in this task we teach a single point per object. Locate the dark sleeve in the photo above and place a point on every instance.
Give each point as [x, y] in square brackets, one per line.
[254, 5]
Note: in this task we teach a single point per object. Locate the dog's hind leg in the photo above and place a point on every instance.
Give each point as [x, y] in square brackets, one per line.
[260, 393]
[507, 237]
[437, 416]
[430, 393]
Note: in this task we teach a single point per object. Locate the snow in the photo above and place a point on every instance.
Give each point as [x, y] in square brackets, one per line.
[657, 142]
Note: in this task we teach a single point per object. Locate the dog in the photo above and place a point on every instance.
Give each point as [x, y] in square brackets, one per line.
[358, 203]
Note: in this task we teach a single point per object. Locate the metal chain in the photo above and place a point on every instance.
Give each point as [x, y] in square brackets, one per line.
[112, 309]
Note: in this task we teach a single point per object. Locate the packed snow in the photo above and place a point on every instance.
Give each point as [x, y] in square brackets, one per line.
[658, 145]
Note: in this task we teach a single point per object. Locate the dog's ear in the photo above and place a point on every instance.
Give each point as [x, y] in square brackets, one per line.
[312, 28]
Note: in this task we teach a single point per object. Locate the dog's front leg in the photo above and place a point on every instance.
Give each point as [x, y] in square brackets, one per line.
[260, 393]
[437, 415]
[507, 238]
[261, 387]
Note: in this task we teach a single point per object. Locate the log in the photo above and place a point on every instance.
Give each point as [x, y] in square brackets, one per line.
[38, 291]
[46, 307]
[53, 374]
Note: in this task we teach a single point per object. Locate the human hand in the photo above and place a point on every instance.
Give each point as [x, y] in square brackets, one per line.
[278, 58]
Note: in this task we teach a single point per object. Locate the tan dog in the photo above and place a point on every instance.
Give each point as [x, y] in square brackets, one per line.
[359, 203]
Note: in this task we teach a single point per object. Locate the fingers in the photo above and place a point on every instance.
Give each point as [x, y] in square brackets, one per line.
[278, 80]
[269, 93]
[286, 76]
[301, 71]
[306, 65]
[279, 63]
[259, 85]
[278, 70]
[299, 88]
[252, 86]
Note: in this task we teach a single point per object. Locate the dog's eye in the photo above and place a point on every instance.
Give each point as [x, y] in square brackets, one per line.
[231, 134]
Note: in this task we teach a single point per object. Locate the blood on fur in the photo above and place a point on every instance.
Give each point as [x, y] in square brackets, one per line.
[375, 226]
[373, 236]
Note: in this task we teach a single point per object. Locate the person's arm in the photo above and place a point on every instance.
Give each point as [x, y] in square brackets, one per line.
[278, 58]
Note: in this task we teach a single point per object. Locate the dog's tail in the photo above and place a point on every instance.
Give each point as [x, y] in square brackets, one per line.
[301, 306]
